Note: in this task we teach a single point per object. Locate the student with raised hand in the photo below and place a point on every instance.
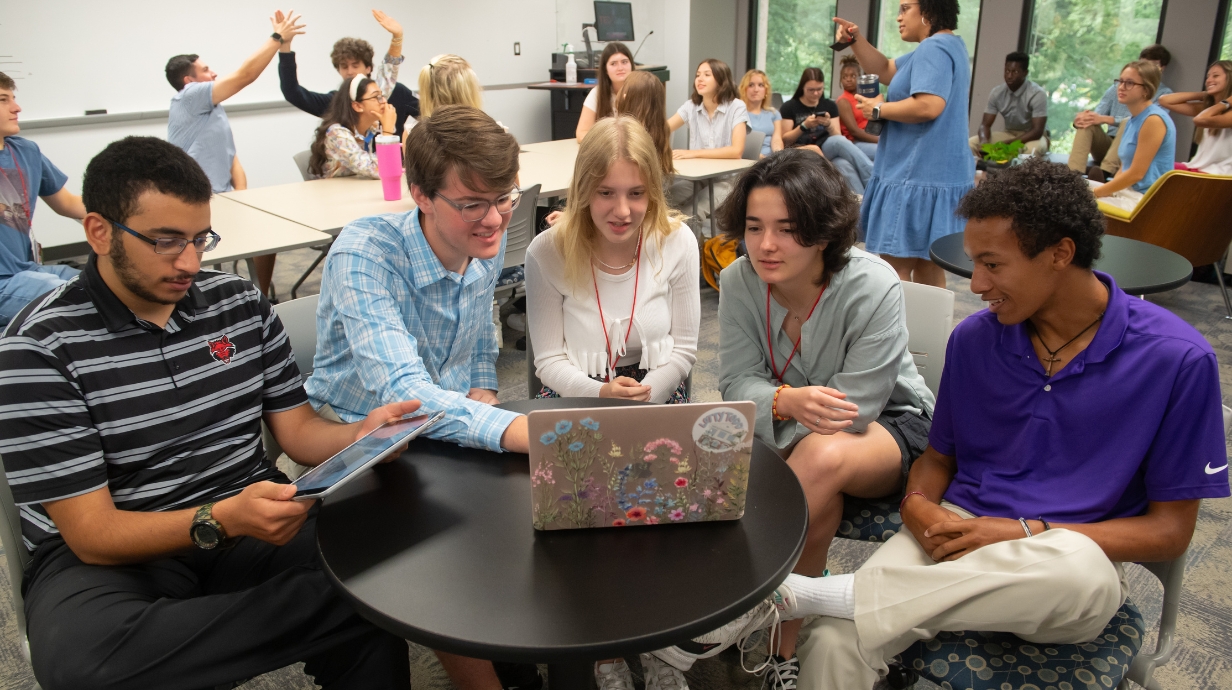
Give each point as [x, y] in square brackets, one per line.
[1212, 110]
[1090, 139]
[344, 140]
[611, 289]
[851, 120]
[1148, 140]
[755, 91]
[810, 120]
[351, 57]
[813, 330]
[166, 548]
[616, 64]
[26, 175]
[197, 122]
[924, 165]
[447, 79]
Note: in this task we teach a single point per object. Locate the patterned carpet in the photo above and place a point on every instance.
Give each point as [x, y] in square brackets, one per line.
[1205, 622]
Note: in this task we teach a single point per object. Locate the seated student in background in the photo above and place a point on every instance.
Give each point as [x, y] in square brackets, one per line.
[1090, 137]
[755, 92]
[1022, 105]
[166, 548]
[1043, 463]
[851, 120]
[810, 120]
[406, 300]
[1212, 110]
[1148, 137]
[617, 65]
[837, 392]
[344, 141]
[717, 122]
[197, 122]
[644, 98]
[446, 80]
[26, 175]
[616, 236]
[351, 57]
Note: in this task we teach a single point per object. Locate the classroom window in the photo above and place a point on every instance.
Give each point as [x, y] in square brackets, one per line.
[798, 35]
[1076, 60]
[1225, 49]
[892, 46]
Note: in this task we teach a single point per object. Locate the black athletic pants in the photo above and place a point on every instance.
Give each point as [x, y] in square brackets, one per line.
[202, 619]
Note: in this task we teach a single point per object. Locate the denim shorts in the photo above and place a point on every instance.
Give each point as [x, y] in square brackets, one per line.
[910, 432]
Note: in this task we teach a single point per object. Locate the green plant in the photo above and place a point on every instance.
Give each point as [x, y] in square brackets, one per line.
[1002, 152]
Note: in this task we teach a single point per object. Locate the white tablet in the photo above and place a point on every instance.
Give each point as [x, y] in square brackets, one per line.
[372, 448]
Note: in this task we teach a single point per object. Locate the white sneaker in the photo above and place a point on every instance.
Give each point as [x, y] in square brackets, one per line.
[660, 675]
[613, 675]
[779, 606]
[516, 321]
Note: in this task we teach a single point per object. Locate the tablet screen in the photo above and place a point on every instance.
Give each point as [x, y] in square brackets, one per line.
[355, 457]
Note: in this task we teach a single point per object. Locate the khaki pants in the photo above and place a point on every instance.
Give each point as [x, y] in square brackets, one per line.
[1036, 148]
[1095, 141]
[1056, 587]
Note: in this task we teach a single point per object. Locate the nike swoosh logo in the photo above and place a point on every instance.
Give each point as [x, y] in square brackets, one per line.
[1210, 470]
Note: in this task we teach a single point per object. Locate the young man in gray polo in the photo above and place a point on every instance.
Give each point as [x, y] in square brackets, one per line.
[197, 122]
[1022, 105]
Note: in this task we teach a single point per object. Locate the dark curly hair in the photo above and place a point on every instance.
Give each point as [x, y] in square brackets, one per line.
[941, 14]
[127, 168]
[1045, 203]
[352, 49]
[819, 203]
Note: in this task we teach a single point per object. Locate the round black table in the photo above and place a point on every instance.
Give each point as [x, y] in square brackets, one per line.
[437, 547]
[1137, 267]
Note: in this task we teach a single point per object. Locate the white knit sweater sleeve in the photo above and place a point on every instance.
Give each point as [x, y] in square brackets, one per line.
[682, 263]
[545, 314]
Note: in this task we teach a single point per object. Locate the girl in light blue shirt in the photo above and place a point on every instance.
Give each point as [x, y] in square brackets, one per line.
[755, 91]
[1148, 143]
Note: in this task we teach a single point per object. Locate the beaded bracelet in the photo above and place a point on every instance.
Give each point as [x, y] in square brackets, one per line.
[774, 406]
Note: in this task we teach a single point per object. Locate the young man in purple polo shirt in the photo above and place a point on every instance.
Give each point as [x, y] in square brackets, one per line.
[1076, 428]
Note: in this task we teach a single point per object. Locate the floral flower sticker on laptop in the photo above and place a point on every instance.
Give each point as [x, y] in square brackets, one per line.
[644, 465]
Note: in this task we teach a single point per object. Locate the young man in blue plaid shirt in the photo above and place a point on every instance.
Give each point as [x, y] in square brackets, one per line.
[406, 300]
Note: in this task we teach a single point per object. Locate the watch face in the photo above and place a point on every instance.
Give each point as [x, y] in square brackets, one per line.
[204, 535]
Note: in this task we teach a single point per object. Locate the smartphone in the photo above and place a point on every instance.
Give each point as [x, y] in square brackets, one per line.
[371, 448]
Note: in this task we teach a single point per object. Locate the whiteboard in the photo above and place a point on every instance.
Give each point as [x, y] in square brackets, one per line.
[70, 57]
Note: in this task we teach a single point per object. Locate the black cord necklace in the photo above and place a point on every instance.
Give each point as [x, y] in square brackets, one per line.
[1052, 357]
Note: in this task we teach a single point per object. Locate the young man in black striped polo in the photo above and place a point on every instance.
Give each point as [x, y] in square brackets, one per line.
[167, 551]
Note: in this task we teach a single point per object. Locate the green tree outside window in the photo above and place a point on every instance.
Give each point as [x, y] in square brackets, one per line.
[1078, 47]
[798, 35]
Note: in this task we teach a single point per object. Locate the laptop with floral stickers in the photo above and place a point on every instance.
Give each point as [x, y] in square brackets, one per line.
[640, 465]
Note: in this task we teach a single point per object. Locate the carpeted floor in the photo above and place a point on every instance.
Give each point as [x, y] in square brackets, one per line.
[1202, 658]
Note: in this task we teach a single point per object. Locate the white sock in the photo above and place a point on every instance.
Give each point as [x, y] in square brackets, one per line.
[832, 596]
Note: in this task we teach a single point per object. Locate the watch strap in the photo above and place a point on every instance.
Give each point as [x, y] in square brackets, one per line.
[277, 37]
[205, 515]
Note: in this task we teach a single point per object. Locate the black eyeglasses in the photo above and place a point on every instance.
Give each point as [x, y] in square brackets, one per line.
[378, 96]
[1127, 83]
[173, 245]
[475, 211]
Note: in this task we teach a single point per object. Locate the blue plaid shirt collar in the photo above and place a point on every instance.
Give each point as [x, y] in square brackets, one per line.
[427, 268]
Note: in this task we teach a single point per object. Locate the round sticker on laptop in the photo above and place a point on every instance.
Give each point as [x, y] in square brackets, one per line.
[720, 429]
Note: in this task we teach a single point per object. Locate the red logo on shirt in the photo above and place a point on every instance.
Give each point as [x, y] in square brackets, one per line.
[222, 349]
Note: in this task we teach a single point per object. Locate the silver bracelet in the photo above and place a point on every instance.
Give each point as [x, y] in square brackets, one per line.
[1025, 528]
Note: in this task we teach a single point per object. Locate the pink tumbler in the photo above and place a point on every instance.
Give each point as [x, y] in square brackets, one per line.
[389, 165]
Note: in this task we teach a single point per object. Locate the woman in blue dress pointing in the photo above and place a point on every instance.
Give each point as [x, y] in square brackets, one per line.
[923, 166]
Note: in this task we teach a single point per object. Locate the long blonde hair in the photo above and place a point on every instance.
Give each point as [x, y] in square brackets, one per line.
[619, 138]
[448, 80]
[767, 101]
[645, 98]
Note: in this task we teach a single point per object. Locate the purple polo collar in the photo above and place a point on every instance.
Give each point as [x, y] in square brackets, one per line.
[1016, 339]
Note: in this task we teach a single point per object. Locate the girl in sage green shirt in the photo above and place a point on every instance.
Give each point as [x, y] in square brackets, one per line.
[814, 331]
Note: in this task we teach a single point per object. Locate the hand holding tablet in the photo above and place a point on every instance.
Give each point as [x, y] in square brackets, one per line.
[369, 449]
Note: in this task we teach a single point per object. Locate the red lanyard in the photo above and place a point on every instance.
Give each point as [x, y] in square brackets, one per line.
[607, 343]
[778, 375]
